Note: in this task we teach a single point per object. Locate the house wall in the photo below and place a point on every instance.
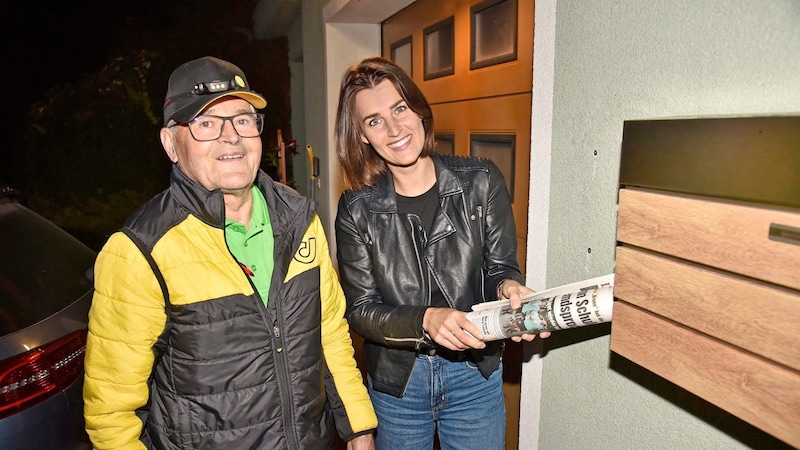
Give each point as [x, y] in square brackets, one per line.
[348, 43]
[314, 92]
[300, 165]
[597, 64]
[330, 45]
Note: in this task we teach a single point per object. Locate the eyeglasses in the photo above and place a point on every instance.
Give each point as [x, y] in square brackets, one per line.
[209, 128]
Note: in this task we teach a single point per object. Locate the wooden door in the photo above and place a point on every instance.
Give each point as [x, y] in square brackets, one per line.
[473, 59]
[480, 92]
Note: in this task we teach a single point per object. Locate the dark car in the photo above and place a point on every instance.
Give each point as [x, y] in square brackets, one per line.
[45, 294]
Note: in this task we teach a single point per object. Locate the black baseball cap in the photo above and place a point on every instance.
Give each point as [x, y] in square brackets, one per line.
[195, 84]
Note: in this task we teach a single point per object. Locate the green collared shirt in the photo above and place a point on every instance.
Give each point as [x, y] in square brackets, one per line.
[253, 247]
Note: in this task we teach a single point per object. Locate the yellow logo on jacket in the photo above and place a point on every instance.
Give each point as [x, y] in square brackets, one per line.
[310, 252]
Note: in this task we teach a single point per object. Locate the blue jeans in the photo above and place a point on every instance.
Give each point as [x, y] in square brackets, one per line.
[467, 409]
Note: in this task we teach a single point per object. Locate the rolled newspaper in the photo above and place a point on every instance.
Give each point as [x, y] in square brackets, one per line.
[589, 302]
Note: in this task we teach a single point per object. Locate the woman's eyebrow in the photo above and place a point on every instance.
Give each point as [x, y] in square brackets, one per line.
[373, 115]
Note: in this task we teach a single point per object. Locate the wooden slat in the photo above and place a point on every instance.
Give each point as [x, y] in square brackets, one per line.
[729, 236]
[750, 315]
[760, 393]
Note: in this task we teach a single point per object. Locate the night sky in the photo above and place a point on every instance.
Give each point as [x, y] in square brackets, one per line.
[56, 42]
[86, 158]
[96, 73]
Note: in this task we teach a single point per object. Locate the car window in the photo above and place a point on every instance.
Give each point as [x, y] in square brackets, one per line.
[42, 268]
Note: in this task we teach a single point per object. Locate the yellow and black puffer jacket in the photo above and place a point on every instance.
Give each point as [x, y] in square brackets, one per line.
[212, 367]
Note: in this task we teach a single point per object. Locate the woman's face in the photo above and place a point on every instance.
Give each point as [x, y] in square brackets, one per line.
[393, 129]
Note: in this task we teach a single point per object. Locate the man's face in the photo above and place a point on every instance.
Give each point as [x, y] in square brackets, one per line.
[229, 163]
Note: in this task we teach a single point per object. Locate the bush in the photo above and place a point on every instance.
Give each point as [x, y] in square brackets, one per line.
[90, 154]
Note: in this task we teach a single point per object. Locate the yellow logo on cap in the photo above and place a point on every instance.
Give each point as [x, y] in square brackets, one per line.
[239, 81]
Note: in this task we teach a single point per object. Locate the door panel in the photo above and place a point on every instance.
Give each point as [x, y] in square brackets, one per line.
[490, 100]
[495, 99]
[497, 115]
[506, 78]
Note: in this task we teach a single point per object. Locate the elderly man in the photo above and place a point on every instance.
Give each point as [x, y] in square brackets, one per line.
[217, 319]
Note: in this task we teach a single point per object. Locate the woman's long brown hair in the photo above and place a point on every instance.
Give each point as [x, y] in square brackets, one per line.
[361, 163]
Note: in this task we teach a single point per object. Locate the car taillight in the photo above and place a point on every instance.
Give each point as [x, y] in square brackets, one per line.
[41, 373]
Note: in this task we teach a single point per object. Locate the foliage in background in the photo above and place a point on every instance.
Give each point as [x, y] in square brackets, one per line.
[90, 153]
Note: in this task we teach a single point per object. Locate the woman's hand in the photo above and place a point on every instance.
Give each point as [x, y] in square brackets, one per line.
[514, 292]
[451, 329]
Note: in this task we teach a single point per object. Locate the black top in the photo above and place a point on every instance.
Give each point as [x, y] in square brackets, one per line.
[424, 206]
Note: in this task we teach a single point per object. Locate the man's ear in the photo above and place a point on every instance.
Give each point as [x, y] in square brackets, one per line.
[168, 141]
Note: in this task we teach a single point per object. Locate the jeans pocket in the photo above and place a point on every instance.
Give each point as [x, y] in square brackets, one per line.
[471, 365]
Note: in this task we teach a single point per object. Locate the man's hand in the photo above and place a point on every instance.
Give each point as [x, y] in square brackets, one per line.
[363, 442]
[514, 292]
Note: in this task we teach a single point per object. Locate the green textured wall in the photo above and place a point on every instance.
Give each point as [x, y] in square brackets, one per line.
[616, 60]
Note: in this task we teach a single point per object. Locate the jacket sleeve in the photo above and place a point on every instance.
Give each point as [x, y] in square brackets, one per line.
[500, 234]
[126, 317]
[347, 394]
[369, 315]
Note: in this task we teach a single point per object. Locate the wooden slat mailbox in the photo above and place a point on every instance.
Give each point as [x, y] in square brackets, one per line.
[707, 275]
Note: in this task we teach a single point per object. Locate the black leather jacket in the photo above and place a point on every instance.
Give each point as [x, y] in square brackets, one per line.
[387, 262]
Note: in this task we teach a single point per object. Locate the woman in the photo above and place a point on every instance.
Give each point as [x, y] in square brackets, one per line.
[421, 238]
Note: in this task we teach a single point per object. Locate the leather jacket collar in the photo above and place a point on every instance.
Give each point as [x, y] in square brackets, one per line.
[384, 198]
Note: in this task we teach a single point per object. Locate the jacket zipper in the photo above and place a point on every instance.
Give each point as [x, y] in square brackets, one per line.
[419, 238]
[479, 211]
[284, 380]
[281, 368]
